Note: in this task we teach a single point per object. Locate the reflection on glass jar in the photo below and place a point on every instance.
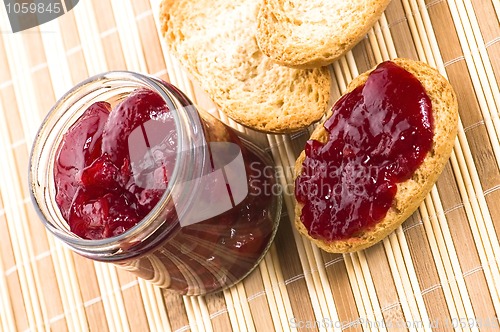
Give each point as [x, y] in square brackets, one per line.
[204, 198]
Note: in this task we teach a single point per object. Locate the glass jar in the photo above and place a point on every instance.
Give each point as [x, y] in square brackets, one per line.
[217, 216]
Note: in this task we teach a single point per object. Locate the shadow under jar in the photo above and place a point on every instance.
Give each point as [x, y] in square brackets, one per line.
[217, 210]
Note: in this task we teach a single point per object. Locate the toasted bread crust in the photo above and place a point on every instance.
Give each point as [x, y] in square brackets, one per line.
[309, 34]
[413, 191]
[215, 41]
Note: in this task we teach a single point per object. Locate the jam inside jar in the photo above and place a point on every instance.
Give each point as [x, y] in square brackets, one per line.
[126, 170]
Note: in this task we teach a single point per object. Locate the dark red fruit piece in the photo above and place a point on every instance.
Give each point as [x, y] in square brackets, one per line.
[105, 175]
[147, 198]
[141, 131]
[139, 107]
[80, 146]
[103, 216]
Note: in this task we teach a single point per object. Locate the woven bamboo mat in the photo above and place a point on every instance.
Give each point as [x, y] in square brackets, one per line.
[439, 270]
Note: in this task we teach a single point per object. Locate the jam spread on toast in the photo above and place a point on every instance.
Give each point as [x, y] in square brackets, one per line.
[378, 136]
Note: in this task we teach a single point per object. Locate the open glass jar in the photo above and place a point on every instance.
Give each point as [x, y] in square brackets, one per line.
[218, 212]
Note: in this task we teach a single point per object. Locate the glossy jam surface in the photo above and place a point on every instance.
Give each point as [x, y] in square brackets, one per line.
[106, 179]
[379, 134]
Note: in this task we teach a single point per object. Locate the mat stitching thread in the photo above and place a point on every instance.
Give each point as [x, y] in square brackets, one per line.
[492, 42]
[74, 50]
[334, 261]
[474, 125]
[57, 318]
[218, 313]
[143, 15]
[431, 288]
[472, 271]
[445, 212]
[452, 61]
[391, 306]
[6, 84]
[298, 134]
[453, 208]
[17, 143]
[130, 284]
[86, 304]
[91, 302]
[256, 295]
[433, 3]
[357, 321]
[108, 32]
[491, 190]
[453, 279]
[184, 328]
[396, 22]
[39, 67]
[293, 279]
[36, 258]
[407, 228]
[161, 72]
[405, 17]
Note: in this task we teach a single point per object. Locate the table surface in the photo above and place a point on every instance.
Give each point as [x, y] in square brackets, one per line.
[439, 269]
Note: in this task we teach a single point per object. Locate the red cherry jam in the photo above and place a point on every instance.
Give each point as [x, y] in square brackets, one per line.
[379, 134]
[96, 190]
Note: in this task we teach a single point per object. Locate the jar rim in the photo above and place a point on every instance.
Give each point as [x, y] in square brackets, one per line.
[109, 246]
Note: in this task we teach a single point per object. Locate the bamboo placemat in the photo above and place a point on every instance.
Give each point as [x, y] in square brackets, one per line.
[439, 270]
